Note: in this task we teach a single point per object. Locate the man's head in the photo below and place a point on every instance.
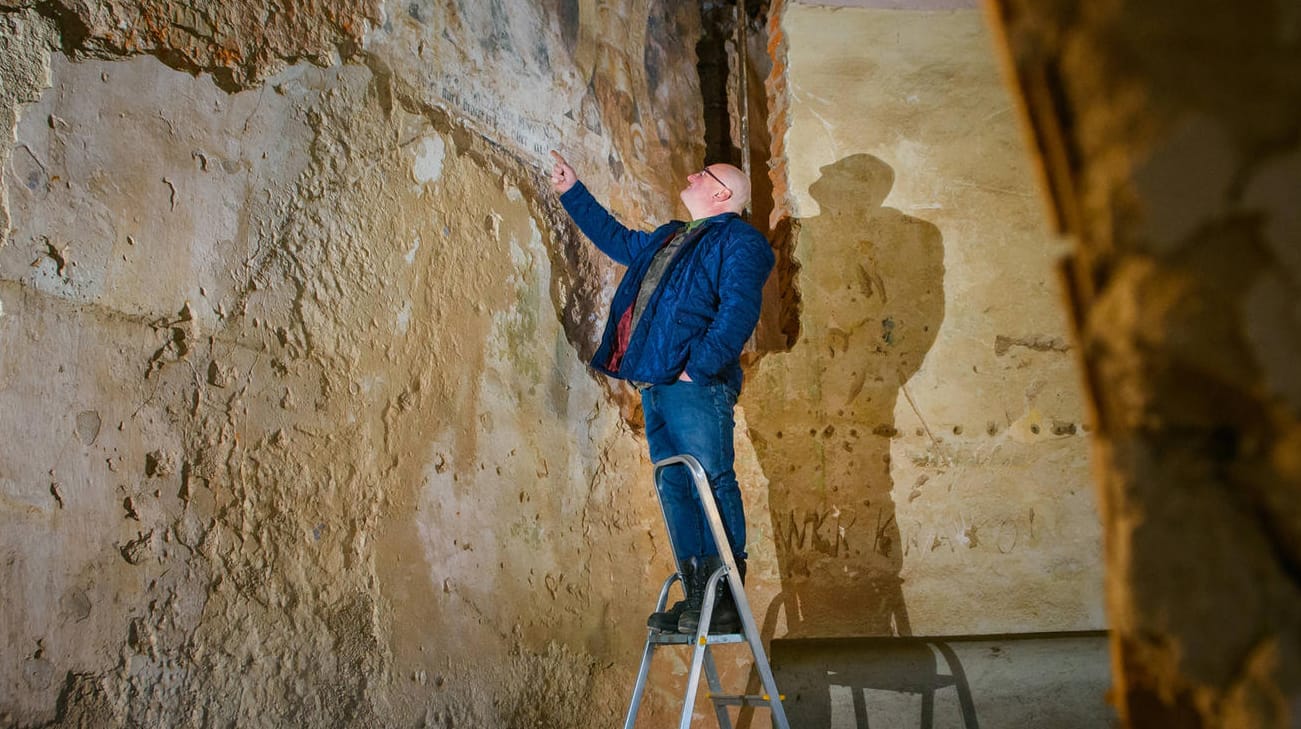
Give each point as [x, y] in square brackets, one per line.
[719, 188]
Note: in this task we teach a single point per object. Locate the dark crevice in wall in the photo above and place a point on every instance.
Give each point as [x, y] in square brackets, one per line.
[718, 67]
[72, 31]
[713, 65]
[779, 325]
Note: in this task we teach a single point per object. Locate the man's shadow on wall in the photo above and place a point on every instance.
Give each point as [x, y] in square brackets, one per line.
[822, 415]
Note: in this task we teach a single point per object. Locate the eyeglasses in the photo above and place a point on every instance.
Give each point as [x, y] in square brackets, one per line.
[711, 174]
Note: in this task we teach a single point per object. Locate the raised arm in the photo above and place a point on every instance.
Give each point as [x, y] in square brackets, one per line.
[562, 175]
[610, 236]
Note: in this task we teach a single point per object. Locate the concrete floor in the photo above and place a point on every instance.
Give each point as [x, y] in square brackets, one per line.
[1043, 680]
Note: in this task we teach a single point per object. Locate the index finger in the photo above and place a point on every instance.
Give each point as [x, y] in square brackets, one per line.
[556, 156]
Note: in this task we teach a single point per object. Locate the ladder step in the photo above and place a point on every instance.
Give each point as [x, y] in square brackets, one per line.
[659, 638]
[743, 699]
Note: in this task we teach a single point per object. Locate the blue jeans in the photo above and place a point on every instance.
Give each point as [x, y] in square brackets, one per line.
[695, 419]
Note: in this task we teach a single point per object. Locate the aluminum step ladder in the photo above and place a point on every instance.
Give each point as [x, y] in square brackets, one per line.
[702, 641]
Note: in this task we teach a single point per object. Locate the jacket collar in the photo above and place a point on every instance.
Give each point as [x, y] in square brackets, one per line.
[708, 221]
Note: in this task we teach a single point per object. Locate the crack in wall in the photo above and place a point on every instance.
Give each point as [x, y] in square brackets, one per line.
[256, 475]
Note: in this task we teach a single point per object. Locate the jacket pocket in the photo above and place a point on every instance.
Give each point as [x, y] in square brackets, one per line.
[694, 317]
[690, 323]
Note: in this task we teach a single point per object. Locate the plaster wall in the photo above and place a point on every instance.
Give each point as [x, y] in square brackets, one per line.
[297, 423]
[924, 441]
[298, 427]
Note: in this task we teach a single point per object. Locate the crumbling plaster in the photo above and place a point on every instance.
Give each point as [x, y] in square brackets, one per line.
[293, 360]
[238, 44]
[1167, 135]
[293, 366]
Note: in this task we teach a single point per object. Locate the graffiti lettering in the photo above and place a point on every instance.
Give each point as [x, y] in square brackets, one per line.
[1003, 535]
[822, 531]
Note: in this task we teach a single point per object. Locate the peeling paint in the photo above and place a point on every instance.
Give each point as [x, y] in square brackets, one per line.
[428, 166]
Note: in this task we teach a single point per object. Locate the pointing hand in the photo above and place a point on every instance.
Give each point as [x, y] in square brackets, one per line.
[562, 175]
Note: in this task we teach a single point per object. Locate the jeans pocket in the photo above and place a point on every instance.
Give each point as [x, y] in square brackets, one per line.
[723, 394]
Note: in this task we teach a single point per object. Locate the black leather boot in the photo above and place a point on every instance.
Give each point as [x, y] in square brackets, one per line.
[694, 591]
[726, 619]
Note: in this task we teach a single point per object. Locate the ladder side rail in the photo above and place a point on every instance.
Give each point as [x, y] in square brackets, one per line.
[707, 502]
[698, 652]
[639, 688]
[664, 591]
[715, 689]
[761, 664]
[734, 580]
[657, 474]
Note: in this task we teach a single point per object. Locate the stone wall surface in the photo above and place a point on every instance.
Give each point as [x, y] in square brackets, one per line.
[298, 428]
[924, 439]
[292, 341]
[239, 44]
[1168, 137]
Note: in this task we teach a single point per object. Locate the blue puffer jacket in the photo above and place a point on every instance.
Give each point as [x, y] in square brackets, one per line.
[706, 304]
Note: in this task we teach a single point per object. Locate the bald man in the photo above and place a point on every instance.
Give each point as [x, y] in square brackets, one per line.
[683, 311]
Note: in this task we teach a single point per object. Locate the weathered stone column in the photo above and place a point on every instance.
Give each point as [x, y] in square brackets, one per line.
[1168, 136]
